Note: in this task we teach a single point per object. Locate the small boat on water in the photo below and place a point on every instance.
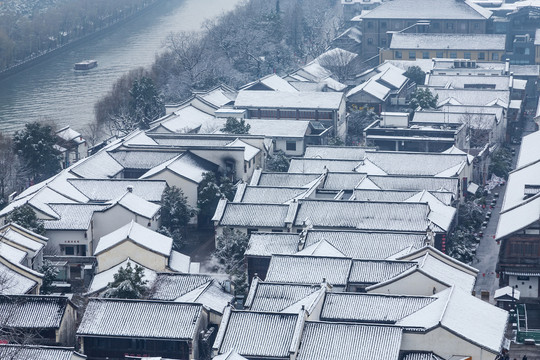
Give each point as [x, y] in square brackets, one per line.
[86, 65]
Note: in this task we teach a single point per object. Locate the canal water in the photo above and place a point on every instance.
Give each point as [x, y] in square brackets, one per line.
[52, 90]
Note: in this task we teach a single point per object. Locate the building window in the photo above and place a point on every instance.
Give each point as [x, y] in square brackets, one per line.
[425, 54]
[383, 25]
[450, 26]
[494, 56]
[453, 55]
[412, 54]
[370, 41]
[439, 54]
[69, 250]
[291, 145]
[467, 55]
[370, 25]
[398, 55]
[477, 26]
[481, 56]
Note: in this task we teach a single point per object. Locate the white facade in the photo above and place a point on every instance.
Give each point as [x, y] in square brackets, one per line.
[527, 285]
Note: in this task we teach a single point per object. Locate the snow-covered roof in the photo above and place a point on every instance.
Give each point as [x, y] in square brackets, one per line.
[218, 96]
[250, 151]
[379, 308]
[187, 119]
[140, 319]
[363, 215]
[179, 262]
[278, 128]
[34, 352]
[281, 297]
[15, 282]
[309, 269]
[366, 245]
[478, 97]
[289, 100]
[323, 341]
[258, 334]
[421, 355]
[424, 9]
[102, 279]
[476, 42]
[8, 234]
[508, 292]
[32, 311]
[409, 163]
[336, 152]
[69, 134]
[12, 253]
[136, 205]
[210, 295]
[138, 234]
[315, 165]
[518, 180]
[268, 195]
[229, 355]
[518, 217]
[266, 244]
[465, 316]
[73, 216]
[99, 166]
[187, 165]
[273, 82]
[283, 179]
[377, 271]
[142, 160]
[254, 215]
[418, 183]
[100, 190]
[371, 87]
[342, 180]
[441, 214]
[454, 81]
[445, 197]
[529, 149]
[171, 286]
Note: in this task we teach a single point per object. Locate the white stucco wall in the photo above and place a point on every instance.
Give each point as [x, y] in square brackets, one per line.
[188, 187]
[443, 343]
[415, 283]
[527, 288]
[281, 144]
[122, 251]
[69, 238]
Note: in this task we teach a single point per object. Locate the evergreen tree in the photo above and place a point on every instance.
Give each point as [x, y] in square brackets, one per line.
[209, 192]
[279, 162]
[35, 146]
[229, 257]
[145, 105]
[175, 214]
[25, 216]
[424, 99]
[235, 126]
[416, 74]
[128, 283]
[49, 275]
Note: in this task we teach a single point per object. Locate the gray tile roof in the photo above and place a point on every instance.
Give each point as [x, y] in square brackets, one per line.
[323, 341]
[32, 352]
[308, 269]
[254, 215]
[342, 181]
[73, 216]
[419, 183]
[271, 195]
[98, 166]
[286, 179]
[366, 245]
[398, 195]
[363, 215]
[145, 160]
[32, 311]
[108, 189]
[421, 356]
[376, 271]
[472, 96]
[288, 100]
[429, 9]
[15, 283]
[477, 42]
[376, 308]
[276, 297]
[335, 152]
[314, 165]
[140, 319]
[405, 163]
[266, 244]
[170, 286]
[256, 334]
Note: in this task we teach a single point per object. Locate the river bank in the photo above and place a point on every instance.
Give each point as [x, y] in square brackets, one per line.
[32, 61]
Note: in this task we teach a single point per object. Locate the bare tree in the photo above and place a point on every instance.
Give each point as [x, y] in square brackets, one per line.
[341, 63]
[480, 128]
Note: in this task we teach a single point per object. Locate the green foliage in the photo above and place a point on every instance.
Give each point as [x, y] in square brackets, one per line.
[175, 214]
[235, 126]
[128, 283]
[25, 216]
[359, 119]
[424, 99]
[210, 191]
[229, 257]
[501, 162]
[146, 104]
[416, 74]
[470, 215]
[462, 245]
[335, 141]
[279, 162]
[49, 275]
[35, 146]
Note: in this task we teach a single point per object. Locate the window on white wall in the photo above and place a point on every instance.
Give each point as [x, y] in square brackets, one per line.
[291, 146]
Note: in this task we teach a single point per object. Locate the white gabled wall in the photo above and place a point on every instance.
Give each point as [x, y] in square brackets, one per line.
[138, 254]
[415, 283]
